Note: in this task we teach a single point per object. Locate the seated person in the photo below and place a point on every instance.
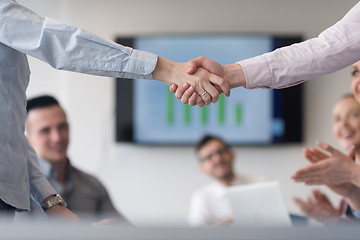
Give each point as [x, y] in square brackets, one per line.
[47, 130]
[208, 206]
[346, 129]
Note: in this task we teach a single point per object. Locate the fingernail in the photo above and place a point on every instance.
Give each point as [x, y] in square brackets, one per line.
[185, 85]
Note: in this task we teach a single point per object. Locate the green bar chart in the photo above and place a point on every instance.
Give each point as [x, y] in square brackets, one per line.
[204, 115]
[170, 108]
[215, 113]
[221, 109]
[187, 114]
[238, 114]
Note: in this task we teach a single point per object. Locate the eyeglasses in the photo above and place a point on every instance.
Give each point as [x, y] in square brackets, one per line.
[220, 152]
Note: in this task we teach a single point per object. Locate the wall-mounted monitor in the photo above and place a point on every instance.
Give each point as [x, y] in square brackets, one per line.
[147, 113]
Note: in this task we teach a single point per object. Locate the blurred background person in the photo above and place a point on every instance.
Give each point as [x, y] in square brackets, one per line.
[346, 129]
[47, 130]
[209, 205]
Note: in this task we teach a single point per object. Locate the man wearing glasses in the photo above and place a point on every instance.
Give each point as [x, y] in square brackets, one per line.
[208, 205]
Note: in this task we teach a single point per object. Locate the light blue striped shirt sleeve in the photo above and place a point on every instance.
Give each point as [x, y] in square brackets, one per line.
[63, 47]
[70, 48]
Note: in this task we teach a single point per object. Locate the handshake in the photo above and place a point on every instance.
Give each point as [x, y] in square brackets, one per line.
[200, 81]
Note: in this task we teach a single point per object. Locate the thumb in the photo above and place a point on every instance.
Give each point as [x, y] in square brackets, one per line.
[173, 87]
[326, 147]
[342, 205]
[351, 152]
[194, 64]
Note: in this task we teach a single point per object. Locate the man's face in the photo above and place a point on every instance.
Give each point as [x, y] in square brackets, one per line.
[48, 133]
[216, 159]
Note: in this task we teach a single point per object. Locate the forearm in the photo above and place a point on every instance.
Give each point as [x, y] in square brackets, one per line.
[335, 48]
[70, 48]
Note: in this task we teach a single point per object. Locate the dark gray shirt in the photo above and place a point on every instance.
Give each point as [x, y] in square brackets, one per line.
[83, 193]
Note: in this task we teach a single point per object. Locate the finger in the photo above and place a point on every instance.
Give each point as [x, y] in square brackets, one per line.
[302, 204]
[342, 204]
[352, 152]
[319, 153]
[205, 96]
[320, 197]
[173, 87]
[192, 99]
[314, 182]
[308, 171]
[181, 90]
[327, 147]
[199, 101]
[194, 64]
[187, 94]
[213, 94]
[315, 191]
[225, 87]
[308, 154]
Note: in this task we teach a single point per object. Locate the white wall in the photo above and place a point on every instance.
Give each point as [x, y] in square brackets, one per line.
[152, 185]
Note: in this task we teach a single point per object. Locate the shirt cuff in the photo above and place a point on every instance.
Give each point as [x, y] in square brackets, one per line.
[357, 214]
[257, 72]
[141, 65]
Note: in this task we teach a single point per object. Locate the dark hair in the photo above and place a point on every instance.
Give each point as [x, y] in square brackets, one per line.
[206, 139]
[41, 102]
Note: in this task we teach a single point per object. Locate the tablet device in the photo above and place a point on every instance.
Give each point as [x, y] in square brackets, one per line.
[258, 205]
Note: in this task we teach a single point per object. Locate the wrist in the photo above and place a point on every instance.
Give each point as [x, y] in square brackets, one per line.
[163, 70]
[53, 201]
[234, 75]
[355, 175]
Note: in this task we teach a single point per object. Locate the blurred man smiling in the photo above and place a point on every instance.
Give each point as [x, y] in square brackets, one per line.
[48, 132]
[209, 206]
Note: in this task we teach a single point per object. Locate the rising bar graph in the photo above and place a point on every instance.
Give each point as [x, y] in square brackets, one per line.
[238, 114]
[161, 118]
[204, 114]
[170, 108]
[187, 114]
[221, 109]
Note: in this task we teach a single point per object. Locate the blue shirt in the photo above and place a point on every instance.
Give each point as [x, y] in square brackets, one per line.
[63, 47]
[357, 214]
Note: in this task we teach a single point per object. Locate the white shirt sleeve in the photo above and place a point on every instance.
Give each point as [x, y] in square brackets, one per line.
[335, 48]
[198, 212]
[70, 48]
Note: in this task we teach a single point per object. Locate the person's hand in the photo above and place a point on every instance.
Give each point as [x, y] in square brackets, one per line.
[320, 208]
[314, 155]
[332, 171]
[232, 74]
[60, 212]
[202, 81]
[105, 221]
[225, 221]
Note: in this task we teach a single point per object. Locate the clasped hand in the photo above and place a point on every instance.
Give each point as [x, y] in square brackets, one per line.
[206, 80]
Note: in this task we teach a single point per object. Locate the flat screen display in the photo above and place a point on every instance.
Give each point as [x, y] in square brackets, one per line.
[147, 113]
